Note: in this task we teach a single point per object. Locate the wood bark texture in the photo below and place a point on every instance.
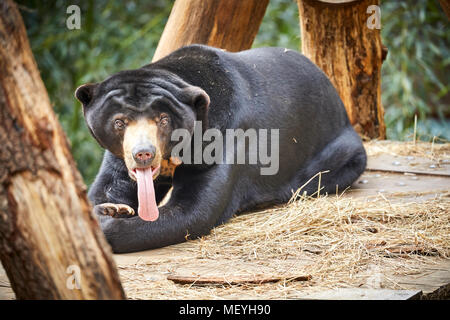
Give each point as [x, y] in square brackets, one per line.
[47, 229]
[227, 24]
[336, 37]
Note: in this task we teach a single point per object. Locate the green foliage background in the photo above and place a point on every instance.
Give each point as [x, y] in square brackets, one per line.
[118, 35]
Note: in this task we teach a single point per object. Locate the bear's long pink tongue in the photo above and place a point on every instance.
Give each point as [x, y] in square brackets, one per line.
[148, 210]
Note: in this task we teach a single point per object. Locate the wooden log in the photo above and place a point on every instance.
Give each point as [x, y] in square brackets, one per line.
[226, 24]
[51, 245]
[336, 36]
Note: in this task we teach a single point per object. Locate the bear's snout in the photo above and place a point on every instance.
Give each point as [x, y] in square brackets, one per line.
[144, 155]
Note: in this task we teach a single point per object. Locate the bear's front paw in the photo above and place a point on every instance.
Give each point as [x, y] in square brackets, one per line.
[115, 210]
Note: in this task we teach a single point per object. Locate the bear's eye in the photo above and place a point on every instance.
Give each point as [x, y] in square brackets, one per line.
[163, 119]
[119, 124]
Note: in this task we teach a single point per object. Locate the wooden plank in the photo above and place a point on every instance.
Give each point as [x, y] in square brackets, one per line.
[411, 164]
[174, 253]
[364, 294]
[433, 280]
[375, 182]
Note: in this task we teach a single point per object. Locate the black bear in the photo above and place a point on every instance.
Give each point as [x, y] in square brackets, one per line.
[134, 114]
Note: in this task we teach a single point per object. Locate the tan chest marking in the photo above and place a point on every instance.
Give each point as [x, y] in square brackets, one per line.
[168, 167]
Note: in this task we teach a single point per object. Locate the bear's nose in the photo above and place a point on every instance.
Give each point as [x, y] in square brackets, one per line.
[144, 155]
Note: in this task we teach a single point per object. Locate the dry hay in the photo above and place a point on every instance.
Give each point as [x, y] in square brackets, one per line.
[337, 240]
[434, 151]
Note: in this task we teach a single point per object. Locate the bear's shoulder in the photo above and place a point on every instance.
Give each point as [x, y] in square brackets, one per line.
[195, 53]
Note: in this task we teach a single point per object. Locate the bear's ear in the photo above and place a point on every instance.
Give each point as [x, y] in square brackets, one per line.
[199, 100]
[85, 92]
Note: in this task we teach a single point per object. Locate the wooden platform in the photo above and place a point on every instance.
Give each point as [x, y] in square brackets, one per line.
[395, 176]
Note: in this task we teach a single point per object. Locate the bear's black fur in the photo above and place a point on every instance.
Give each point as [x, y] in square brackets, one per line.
[270, 88]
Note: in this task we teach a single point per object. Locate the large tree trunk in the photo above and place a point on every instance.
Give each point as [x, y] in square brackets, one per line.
[335, 36]
[226, 24]
[47, 230]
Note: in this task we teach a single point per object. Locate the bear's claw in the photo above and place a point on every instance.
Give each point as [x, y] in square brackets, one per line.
[115, 210]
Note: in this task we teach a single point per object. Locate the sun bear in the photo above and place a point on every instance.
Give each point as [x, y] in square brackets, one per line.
[294, 111]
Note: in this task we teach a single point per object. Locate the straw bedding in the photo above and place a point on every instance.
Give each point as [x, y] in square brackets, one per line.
[310, 244]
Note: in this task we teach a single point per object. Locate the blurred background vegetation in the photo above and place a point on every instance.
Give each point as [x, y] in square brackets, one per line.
[118, 35]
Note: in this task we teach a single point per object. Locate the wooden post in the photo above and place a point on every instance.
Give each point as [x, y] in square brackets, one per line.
[336, 36]
[226, 24]
[50, 243]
